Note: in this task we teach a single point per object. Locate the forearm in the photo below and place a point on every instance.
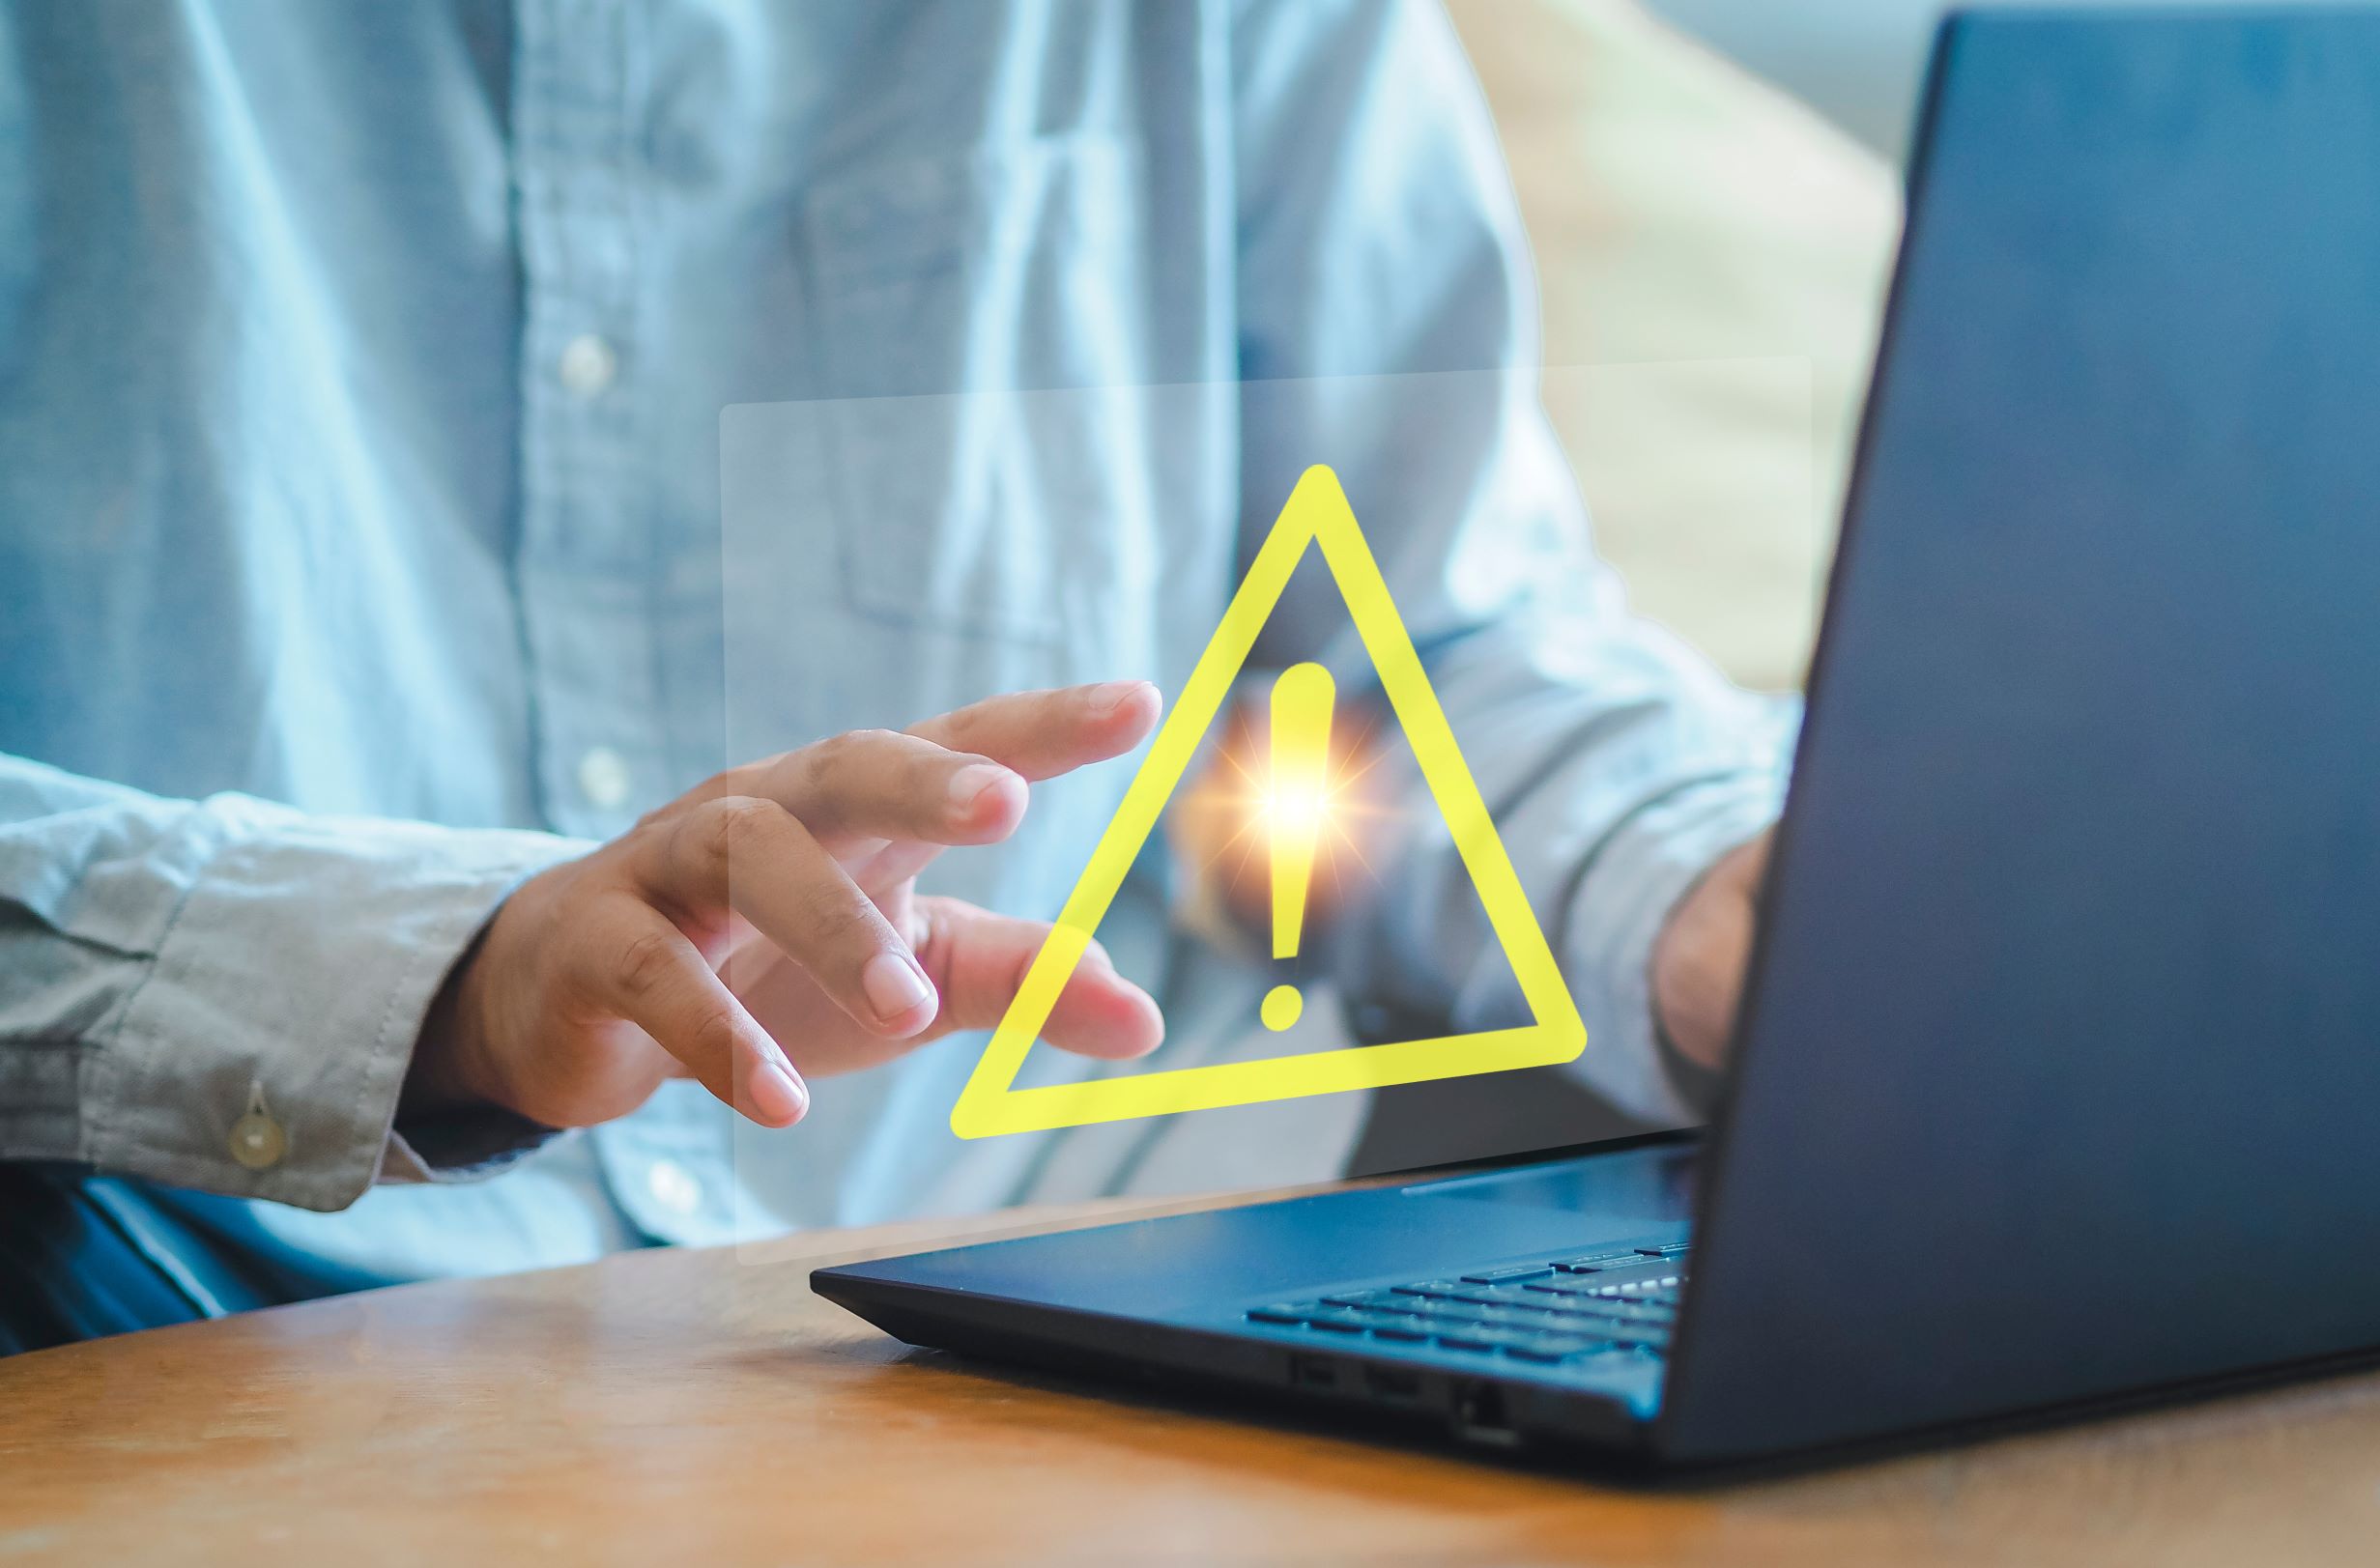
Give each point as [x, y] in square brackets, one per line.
[1616, 778]
[171, 966]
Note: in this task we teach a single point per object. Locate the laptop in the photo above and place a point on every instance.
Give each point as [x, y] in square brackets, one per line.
[2057, 1078]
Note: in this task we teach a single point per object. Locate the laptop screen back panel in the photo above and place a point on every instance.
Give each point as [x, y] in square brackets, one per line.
[2061, 1065]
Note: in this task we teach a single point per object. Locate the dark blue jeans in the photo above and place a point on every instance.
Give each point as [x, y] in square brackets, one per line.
[82, 1257]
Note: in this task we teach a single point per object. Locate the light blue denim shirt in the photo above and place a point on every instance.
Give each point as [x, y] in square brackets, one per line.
[362, 375]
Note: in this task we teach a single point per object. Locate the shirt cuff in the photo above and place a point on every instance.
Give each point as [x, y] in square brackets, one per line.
[1638, 875]
[263, 1054]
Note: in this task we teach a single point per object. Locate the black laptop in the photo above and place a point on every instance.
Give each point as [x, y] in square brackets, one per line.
[2058, 1077]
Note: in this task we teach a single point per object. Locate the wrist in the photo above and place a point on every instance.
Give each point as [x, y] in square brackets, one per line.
[1699, 958]
[449, 1070]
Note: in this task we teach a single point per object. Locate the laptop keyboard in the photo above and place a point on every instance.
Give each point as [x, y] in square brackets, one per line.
[1542, 1313]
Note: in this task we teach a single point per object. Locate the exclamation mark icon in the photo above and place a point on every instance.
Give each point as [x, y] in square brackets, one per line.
[1301, 757]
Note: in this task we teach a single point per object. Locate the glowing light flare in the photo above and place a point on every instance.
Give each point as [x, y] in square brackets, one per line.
[1223, 824]
[1291, 814]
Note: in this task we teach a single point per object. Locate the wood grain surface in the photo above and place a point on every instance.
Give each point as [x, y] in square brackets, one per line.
[704, 1407]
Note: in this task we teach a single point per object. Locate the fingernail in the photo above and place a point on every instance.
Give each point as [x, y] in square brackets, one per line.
[968, 783]
[1107, 698]
[893, 985]
[776, 1093]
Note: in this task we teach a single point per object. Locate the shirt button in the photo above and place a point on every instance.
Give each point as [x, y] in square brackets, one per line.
[589, 366]
[258, 1142]
[603, 777]
[674, 1187]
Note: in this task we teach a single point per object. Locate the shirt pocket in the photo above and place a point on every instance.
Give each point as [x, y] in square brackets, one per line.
[981, 327]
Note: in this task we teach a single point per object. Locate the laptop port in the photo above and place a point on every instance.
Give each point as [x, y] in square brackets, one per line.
[1393, 1382]
[1481, 1417]
[1313, 1372]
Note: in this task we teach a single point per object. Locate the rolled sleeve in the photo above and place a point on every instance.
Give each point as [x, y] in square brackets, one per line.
[194, 967]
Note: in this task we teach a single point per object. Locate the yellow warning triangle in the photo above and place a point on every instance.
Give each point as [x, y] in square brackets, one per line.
[1317, 514]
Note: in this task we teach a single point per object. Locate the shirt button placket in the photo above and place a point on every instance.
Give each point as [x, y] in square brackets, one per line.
[586, 539]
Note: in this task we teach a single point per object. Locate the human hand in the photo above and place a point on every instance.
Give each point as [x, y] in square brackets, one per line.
[1699, 957]
[774, 907]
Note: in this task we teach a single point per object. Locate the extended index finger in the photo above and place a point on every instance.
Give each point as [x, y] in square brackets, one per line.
[1042, 735]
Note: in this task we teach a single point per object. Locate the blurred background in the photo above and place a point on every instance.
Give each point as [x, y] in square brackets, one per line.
[1856, 61]
[1712, 251]
[1712, 189]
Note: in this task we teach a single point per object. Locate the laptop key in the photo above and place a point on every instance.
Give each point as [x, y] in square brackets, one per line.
[1375, 1301]
[1636, 1271]
[1576, 1288]
[1605, 1327]
[1409, 1305]
[1599, 1356]
[1432, 1286]
[1580, 1315]
[1385, 1325]
[1484, 1294]
[1435, 1311]
[1557, 1348]
[1288, 1312]
[1601, 1260]
[1632, 1289]
[1621, 1309]
[1518, 1270]
[1651, 1335]
[1511, 1317]
[1518, 1301]
[1524, 1294]
[1337, 1321]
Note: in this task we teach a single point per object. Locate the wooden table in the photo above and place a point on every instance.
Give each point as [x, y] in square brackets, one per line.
[706, 1408]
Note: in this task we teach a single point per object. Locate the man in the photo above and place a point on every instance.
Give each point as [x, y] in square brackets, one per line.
[360, 371]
